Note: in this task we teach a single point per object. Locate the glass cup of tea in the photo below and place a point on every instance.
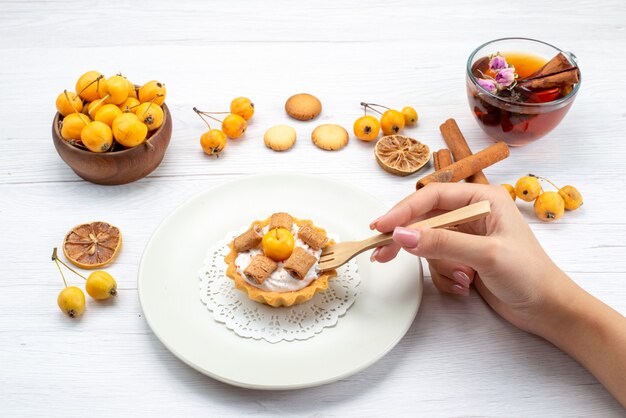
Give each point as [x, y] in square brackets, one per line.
[535, 102]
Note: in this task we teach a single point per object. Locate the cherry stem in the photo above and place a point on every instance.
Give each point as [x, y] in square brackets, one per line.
[199, 113]
[369, 105]
[99, 102]
[67, 97]
[147, 108]
[56, 261]
[554, 185]
[207, 114]
[545, 179]
[373, 104]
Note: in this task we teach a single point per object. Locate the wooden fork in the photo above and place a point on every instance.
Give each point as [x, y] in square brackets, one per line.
[339, 254]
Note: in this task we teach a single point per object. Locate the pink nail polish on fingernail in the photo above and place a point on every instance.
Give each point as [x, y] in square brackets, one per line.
[406, 237]
[461, 278]
[374, 254]
[459, 290]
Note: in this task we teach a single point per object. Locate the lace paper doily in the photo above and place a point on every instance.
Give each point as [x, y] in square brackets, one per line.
[251, 319]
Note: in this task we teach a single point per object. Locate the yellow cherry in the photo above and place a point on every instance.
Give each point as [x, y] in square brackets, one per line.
[528, 188]
[107, 114]
[549, 206]
[213, 141]
[153, 91]
[151, 114]
[97, 137]
[72, 126]
[129, 105]
[71, 301]
[114, 89]
[410, 116]
[243, 107]
[128, 130]
[101, 285]
[392, 122]
[68, 102]
[571, 196]
[87, 85]
[234, 126]
[94, 106]
[366, 128]
[278, 244]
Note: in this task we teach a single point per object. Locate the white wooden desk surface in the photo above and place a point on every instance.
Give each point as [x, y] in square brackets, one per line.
[458, 358]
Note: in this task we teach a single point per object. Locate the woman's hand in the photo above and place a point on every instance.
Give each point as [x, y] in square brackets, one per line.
[499, 254]
[510, 270]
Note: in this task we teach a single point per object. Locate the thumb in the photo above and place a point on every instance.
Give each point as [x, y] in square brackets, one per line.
[468, 249]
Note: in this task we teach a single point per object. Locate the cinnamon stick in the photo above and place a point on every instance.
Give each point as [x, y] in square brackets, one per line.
[442, 158]
[564, 78]
[458, 146]
[555, 65]
[467, 166]
[558, 72]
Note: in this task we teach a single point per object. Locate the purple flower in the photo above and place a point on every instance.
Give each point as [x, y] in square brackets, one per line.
[488, 85]
[498, 62]
[505, 77]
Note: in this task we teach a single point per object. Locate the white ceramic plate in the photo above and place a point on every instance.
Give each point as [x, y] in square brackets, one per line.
[389, 297]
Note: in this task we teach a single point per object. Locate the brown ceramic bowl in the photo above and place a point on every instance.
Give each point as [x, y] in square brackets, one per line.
[116, 167]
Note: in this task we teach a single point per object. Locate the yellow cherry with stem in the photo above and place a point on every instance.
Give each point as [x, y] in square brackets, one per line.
[72, 126]
[71, 300]
[212, 141]
[572, 198]
[243, 107]
[100, 285]
[114, 89]
[152, 91]
[234, 126]
[391, 121]
[367, 127]
[88, 84]
[151, 114]
[68, 102]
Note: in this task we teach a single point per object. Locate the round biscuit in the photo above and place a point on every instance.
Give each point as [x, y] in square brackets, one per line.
[330, 137]
[280, 137]
[303, 106]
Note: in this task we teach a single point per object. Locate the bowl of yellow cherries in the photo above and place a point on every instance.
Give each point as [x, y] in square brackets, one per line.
[111, 131]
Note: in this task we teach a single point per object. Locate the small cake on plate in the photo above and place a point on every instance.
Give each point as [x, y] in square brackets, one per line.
[275, 260]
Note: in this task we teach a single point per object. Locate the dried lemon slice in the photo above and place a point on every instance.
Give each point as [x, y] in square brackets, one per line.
[92, 245]
[401, 155]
